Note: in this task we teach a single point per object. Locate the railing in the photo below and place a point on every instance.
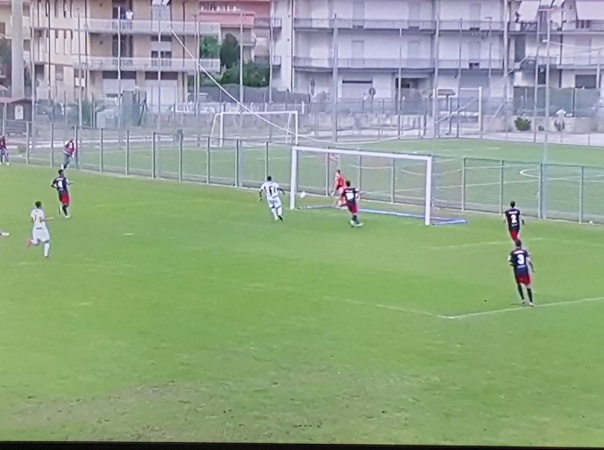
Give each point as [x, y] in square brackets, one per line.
[551, 191]
[139, 26]
[380, 24]
[394, 63]
[146, 64]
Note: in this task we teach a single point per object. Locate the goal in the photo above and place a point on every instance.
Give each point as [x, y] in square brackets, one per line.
[395, 184]
[266, 126]
[461, 114]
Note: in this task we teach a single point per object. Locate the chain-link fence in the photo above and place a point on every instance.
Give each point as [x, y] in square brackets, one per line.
[550, 191]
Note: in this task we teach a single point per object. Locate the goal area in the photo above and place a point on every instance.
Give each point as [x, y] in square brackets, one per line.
[267, 126]
[394, 184]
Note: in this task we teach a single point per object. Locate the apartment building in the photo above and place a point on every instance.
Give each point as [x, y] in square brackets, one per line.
[462, 44]
[575, 53]
[6, 28]
[106, 47]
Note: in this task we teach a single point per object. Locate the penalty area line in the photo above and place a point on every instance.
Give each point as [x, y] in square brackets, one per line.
[381, 306]
[524, 308]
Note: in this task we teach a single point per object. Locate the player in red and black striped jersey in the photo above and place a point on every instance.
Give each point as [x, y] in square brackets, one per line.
[514, 220]
[61, 184]
[520, 260]
[350, 196]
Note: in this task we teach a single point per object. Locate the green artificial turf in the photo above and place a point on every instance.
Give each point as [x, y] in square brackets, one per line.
[174, 311]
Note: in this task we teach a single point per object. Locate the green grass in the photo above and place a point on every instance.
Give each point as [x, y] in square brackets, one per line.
[182, 312]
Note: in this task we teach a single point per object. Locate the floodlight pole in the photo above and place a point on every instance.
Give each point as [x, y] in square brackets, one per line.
[546, 128]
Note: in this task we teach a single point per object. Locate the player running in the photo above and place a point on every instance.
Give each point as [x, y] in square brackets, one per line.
[40, 231]
[69, 152]
[273, 197]
[4, 234]
[350, 198]
[520, 260]
[514, 219]
[61, 184]
[3, 152]
[339, 185]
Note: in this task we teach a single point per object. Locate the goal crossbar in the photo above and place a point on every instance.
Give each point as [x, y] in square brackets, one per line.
[329, 153]
[290, 128]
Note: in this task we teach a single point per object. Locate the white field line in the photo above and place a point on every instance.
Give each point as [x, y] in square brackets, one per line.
[477, 244]
[521, 308]
[382, 306]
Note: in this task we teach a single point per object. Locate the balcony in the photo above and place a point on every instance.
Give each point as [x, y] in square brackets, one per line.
[266, 23]
[584, 61]
[367, 24]
[364, 63]
[471, 64]
[494, 26]
[146, 64]
[264, 60]
[529, 63]
[150, 27]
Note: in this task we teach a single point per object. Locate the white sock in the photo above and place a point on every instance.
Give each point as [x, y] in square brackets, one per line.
[46, 249]
[274, 211]
[280, 211]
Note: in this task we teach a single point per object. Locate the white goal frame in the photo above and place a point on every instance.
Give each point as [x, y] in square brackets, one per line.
[296, 150]
[291, 135]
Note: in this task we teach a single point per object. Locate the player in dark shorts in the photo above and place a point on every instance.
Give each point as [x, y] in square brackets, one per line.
[3, 151]
[520, 260]
[61, 184]
[350, 196]
[514, 220]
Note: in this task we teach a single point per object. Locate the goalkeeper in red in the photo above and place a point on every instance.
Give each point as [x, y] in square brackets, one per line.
[350, 197]
[338, 190]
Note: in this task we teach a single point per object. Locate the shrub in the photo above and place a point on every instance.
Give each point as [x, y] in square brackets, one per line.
[522, 124]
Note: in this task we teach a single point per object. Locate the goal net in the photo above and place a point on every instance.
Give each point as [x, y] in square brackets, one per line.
[390, 183]
[266, 126]
[460, 114]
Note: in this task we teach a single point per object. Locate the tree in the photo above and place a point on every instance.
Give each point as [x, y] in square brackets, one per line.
[253, 75]
[5, 59]
[209, 48]
[229, 51]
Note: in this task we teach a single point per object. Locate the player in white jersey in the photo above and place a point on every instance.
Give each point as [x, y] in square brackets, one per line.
[40, 231]
[273, 197]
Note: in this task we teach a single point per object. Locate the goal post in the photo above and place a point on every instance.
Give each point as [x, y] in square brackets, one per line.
[268, 126]
[395, 184]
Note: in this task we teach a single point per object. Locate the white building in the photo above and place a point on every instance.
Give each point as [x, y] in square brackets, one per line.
[461, 43]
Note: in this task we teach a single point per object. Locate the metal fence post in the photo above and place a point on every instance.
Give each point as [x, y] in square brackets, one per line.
[266, 156]
[208, 159]
[153, 155]
[463, 184]
[237, 163]
[581, 194]
[78, 146]
[326, 173]
[541, 199]
[180, 150]
[102, 151]
[393, 180]
[27, 142]
[501, 175]
[127, 152]
[52, 145]
[360, 172]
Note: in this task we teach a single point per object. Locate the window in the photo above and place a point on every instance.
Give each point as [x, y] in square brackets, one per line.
[163, 55]
[585, 82]
[65, 6]
[541, 77]
[59, 73]
[163, 38]
[56, 5]
[2, 28]
[583, 24]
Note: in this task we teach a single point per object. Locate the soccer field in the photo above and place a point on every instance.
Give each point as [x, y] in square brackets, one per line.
[173, 311]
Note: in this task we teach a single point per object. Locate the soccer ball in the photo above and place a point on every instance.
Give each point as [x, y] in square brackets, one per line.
[302, 194]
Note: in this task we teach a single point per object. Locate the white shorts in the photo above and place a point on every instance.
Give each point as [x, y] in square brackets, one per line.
[40, 235]
[274, 203]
